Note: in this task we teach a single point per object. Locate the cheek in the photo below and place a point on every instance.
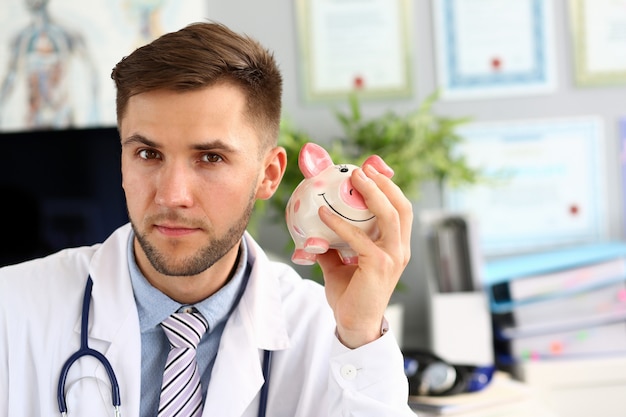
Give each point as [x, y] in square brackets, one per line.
[129, 175]
[315, 192]
[232, 190]
[137, 198]
[131, 181]
[137, 187]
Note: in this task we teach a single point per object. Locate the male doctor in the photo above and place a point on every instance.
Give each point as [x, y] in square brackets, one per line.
[198, 115]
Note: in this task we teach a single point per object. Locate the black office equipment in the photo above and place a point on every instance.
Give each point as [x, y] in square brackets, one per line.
[59, 188]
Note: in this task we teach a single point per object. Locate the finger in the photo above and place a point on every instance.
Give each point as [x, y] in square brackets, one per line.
[355, 237]
[336, 273]
[391, 191]
[386, 200]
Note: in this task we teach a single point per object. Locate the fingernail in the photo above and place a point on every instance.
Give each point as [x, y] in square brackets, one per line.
[371, 170]
[362, 175]
[383, 168]
[388, 171]
[326, 210]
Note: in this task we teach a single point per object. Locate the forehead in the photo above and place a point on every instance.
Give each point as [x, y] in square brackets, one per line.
[215, 112]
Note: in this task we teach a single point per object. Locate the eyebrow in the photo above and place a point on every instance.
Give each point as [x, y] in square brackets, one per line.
[137, 138]
[210, 145]
[216, 144]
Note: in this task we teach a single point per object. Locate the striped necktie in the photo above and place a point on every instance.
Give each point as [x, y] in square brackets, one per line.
[181, 395]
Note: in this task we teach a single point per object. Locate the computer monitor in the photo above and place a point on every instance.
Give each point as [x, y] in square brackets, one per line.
[60, 188]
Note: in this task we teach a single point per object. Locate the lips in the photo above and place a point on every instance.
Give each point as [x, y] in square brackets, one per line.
[175, 230]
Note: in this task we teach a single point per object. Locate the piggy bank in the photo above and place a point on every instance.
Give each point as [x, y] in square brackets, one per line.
[326, 183]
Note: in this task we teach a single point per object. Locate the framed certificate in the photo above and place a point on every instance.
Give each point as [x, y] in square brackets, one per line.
[599, 28]
[490, 48]
[353, 45]
[547, 188]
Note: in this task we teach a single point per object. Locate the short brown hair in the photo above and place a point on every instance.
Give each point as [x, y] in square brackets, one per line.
[201, 55]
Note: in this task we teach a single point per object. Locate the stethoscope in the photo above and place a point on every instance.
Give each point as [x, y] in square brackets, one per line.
[85, 350]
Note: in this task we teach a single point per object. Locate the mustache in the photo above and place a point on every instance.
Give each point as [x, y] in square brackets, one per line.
[177, 218]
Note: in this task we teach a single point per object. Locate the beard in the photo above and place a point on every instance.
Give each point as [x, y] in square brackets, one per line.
[204, 257]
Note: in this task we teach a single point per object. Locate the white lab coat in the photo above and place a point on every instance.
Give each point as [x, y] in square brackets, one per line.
[312, 373]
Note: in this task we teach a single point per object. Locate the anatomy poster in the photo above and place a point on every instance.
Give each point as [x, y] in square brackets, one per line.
[56, 56]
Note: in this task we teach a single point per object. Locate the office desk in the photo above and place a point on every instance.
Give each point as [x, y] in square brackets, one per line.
[581, 387]
[504, 397]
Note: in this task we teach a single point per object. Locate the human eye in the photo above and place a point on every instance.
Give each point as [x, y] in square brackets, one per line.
[148, 154]
[211, 158]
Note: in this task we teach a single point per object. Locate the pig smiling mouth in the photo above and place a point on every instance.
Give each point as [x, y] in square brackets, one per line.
[323, 195]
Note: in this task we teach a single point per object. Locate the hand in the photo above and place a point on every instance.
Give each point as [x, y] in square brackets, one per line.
[359, 294]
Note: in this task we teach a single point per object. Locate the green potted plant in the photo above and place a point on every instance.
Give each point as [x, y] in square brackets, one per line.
[419, 146]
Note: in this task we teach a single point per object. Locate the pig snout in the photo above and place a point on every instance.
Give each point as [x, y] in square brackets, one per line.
[351, 196]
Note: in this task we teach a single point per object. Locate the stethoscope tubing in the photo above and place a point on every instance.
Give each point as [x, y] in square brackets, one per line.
[267, 363]
[85, 350]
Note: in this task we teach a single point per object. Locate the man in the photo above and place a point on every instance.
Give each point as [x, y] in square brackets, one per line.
[198, 114]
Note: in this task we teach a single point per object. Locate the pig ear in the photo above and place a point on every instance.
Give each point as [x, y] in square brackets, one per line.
[313, 159]
[379, 165]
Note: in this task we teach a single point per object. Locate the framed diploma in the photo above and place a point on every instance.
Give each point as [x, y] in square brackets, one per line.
[491, 48]
[357, 44]
[599, 28]
[549, 186]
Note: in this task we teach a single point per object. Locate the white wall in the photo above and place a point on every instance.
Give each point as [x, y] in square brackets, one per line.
[273, 23]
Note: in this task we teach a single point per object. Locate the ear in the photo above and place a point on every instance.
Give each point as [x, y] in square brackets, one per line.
[313, 159]
[275, 164]
[379, 165]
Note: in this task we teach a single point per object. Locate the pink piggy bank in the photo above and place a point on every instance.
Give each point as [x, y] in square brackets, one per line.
[327, 184]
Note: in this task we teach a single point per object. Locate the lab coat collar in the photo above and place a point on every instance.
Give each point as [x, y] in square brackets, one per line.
[262, 301]
[257, 324]
[113, 319]
[109, 271]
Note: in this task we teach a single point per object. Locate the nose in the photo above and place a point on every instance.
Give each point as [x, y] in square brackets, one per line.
[350, 196]
[174, 185]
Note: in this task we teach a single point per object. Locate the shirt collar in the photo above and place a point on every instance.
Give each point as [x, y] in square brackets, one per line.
[153, 306]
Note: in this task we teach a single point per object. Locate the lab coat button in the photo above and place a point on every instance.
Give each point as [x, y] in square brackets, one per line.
[348, 372]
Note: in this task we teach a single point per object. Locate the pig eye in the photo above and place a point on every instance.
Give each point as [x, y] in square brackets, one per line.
[343, 169]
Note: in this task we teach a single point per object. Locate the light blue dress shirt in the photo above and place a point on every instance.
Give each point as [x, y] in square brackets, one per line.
[153, 307]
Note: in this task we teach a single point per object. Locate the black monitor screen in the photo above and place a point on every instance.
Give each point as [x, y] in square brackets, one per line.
[60, 188]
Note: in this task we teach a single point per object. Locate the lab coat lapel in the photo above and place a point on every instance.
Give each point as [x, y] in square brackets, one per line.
[113, 320]
[256, 324]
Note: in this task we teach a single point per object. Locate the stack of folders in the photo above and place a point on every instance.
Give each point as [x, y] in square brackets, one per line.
[565, 303]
